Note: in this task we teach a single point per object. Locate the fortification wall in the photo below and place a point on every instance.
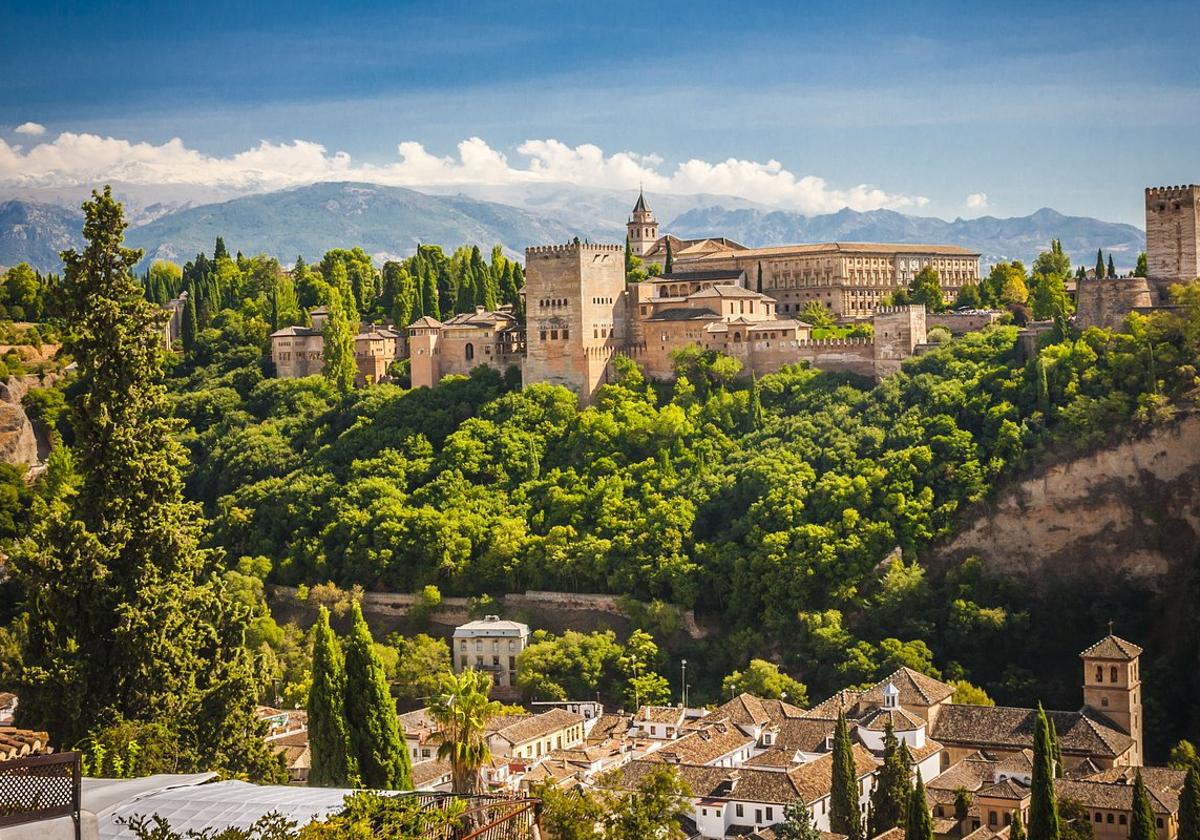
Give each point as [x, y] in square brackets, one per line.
[959, 323]
[1172, 237]
[839, 355]
[1105, 303]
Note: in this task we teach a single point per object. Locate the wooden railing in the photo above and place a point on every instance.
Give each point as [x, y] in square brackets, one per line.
[485, 817]
[40, 787]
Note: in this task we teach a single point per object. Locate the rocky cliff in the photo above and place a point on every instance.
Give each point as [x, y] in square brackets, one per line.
[1133, 508]
[18, 442]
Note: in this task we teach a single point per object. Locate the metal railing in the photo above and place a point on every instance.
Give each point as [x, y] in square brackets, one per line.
[486, 817]
[40, 787]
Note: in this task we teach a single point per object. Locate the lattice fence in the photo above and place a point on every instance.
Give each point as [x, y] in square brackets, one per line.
[40, 787]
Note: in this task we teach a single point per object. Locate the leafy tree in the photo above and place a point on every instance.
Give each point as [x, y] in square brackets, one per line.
[462, 710]
[654, 809]
[1075, 820]
[23, 293]
[844, 816]
[1043, 806]
[889, 799]
[816, 315]
[569, 814]
[764, 679]
[420, 664]
[797, 824]
[968, 297]
[926, 288]
[116, 568]
[1183, 755]
[1141, 825]
[919, 822]
[333, 762]
[375, 739]
[1189, 806]
[970, 695]
[1140, 270]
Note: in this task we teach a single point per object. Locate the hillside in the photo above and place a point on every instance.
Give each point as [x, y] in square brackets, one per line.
[34, 233]
[997, 239]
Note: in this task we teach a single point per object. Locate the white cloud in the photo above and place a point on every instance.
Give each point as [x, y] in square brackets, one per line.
[31, 128]
[85, 159]
[977, 201]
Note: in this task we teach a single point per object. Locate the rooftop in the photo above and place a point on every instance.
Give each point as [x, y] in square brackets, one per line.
[884, 248]
[1006, 727]
[1113, 647]
[491, 625]
[531, 727]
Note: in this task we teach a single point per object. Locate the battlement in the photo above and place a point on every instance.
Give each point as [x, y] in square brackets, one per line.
[569, 248]
[897, 310]
[1171, 192]
[835, 342]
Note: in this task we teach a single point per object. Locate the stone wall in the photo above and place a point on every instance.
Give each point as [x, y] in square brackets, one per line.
[838, 355]
[1133, 508]
[1106, 303]
[960, 323]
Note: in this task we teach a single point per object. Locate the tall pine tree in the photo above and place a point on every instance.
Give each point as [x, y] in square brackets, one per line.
[1141, 826]
[1099, 268]
[844, 814]
[1189, 806]
[889, 800]
[1043, 806]
[669, 264]
[127, 620]
[919, 822]
[375, 739]
[1112, 269]
[333, 765]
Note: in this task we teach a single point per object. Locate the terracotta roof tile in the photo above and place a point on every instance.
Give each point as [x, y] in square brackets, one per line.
[1005, 727]
[1113, 647]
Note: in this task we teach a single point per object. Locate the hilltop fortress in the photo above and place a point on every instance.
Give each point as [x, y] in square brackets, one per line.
[581, 313]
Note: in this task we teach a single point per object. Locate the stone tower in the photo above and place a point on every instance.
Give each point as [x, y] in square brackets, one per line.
[642, 227]
[575, 314]
[1112, 687]
[1172, 236]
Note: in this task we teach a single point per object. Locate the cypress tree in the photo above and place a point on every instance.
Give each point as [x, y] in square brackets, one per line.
[1142, 824]
[340, 367]
[1017, 832]
[919, 825]
[1043, 807]
[219, 250]
[889, 800]
[1112, 270]
[759, 278]
[628, 257]
[328, 736]
[1099, 266]
[844, 815]
[1055, 746]
[1189, 807]
[669, 264]
[188, 328]
[127, 618]
[375, 740]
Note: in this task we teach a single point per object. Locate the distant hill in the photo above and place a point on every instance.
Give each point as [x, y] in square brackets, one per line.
[384, 221]
[33, 232]
[1018, 238]
[392, 221]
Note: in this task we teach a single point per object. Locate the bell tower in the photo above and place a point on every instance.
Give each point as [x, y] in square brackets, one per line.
[642, 227]
[1112, 687]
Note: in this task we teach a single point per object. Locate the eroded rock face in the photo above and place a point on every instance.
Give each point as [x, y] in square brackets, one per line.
[1133, 508]
[18, 443]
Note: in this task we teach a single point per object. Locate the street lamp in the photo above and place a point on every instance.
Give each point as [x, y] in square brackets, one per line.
[683, 682]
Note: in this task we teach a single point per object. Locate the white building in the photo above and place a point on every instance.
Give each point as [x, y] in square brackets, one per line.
[491, 644]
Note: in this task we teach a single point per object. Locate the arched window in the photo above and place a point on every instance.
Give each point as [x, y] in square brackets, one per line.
[1112, 673]
[1099, 673]
[470, 351]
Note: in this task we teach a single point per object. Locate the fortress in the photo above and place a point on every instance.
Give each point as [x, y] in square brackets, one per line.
[581, 313]
[1172, 257]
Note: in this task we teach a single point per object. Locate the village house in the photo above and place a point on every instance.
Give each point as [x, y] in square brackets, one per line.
[1107, 797]
[491, 645]
[530, 737]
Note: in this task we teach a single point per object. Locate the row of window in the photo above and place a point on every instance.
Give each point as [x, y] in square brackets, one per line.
[550, 303]
[464, 662]
[479, 644]
[603, 300]
[554, 335]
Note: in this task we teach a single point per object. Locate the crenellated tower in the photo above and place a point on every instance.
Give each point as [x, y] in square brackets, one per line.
[1172, 237]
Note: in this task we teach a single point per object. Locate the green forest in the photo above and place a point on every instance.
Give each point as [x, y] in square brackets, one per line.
[772, 506]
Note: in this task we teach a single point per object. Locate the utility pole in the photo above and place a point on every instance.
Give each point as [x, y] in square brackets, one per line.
[683, 682]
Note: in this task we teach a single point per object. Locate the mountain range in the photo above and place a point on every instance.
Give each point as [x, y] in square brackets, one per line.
[391, 221]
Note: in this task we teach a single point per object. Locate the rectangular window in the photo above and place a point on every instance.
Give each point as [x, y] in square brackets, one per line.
[738, 810]
[1123, 819]
[770, 814]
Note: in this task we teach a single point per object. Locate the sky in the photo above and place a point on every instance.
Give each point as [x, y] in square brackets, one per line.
[946, 109]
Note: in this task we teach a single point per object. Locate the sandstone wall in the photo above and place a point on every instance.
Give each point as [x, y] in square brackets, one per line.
[959, 323]
[1132, 508]
[18, 441]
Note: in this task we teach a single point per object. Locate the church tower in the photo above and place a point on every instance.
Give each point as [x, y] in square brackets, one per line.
[1112, 687]
[642, 227]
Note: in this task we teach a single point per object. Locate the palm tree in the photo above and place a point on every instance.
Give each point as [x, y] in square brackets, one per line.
[462, 710]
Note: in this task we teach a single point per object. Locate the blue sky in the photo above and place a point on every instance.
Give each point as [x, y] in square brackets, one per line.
[1071, 105]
